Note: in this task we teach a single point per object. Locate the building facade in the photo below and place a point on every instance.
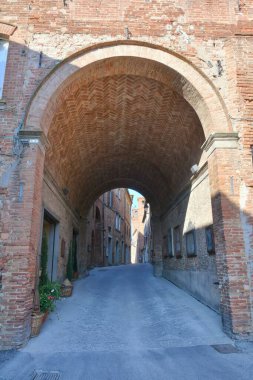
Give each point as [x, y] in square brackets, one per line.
[150, 95]
[141, 251]
[137, 244]
[108, 234]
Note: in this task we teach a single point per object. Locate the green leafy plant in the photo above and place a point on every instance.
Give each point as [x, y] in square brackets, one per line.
[70, 263]
[43, 260]
[46, 303]
[52, 288]
[49, 292]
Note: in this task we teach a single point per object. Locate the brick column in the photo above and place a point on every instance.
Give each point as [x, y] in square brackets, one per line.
[157, 246]
[232, 266]
[83, 254]
[21, 243]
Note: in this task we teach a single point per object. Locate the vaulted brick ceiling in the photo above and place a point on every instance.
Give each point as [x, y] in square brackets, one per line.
[114, 125]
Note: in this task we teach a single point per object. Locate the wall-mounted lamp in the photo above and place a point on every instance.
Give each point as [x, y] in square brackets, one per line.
[194, 169]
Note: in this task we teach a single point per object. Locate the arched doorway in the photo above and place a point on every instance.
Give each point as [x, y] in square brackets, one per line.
[156, 117]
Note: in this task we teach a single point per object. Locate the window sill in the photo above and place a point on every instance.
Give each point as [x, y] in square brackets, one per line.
[2, 104]
[191, 255]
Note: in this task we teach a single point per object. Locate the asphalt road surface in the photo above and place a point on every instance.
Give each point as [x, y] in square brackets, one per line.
[124, 324]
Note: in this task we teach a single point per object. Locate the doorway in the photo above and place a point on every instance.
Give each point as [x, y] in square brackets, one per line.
[51, 233]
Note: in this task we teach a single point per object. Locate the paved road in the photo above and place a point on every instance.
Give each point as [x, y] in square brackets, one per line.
[124, 324]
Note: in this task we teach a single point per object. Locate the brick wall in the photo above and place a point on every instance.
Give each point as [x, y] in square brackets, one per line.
[55, 204]
[211, 44]
[197, 274]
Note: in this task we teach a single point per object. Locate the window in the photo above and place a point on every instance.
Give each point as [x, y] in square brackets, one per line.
[117, 222]
[191, 243]
[210, 240]
[3, 59]
[170, 243]
[177, 241]
[118, 193]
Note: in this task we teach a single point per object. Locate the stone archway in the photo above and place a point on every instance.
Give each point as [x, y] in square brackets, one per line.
[91, 110]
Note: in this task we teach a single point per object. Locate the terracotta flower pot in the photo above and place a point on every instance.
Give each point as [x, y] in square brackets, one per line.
[37, 320]
[66, 291]
[45, 316]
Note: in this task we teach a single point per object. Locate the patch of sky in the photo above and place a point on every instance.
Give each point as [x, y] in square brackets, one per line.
[136, 196]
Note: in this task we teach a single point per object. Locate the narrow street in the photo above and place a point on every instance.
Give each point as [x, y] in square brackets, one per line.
[123, 323]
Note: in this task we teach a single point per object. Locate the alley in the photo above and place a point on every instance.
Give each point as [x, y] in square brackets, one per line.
[123, 323]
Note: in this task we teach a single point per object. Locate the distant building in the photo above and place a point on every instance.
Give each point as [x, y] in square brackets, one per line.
[138, 243]
[109, 229]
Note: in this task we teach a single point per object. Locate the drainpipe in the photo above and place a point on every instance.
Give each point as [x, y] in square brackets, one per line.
[124, 227]
[103, 228]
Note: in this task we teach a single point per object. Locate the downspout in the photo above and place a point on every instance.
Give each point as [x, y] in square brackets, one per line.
[103, 228]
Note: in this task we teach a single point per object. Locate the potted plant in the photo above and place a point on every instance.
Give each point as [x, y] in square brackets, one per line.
[49, 292]
[66, 288]
[45, 292]
[36, 323]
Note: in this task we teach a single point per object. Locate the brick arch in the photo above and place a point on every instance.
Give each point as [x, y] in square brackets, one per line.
[187, 80]
[112, 124]
[123, 183]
